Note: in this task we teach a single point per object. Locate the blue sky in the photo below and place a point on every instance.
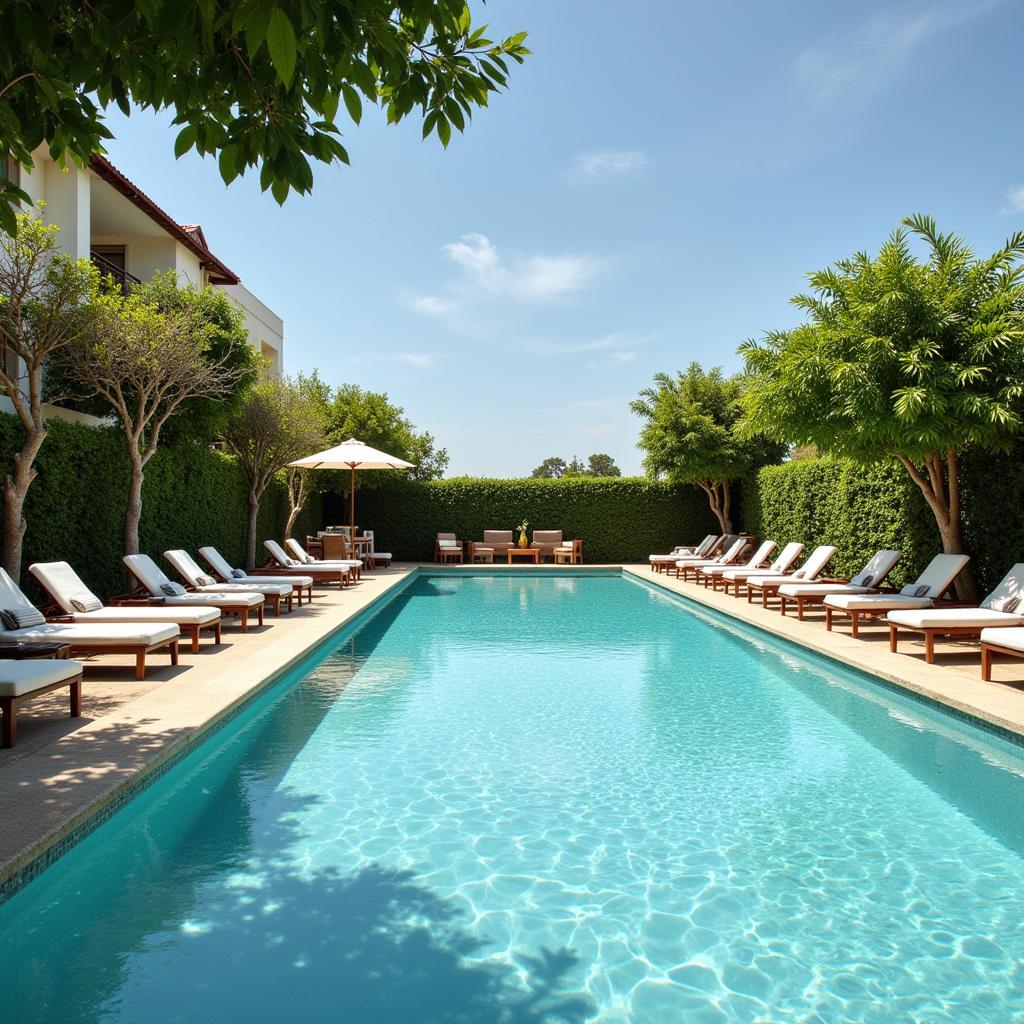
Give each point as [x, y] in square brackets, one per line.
[652, 189]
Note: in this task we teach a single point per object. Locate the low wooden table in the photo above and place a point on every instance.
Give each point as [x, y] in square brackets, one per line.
[533, 554]
[22, 650]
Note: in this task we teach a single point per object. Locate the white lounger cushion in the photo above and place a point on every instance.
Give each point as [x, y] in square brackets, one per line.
[303, 557]
[935, 618]
[1010, 588]
[756, 563]
[780, 567]
[810, 570]
[95, 634]
[879, 566]
[220, 566]
[877, 602]
[20, 677]
[1005, 636]
[64, 585]
[152, 577]
[185, 564]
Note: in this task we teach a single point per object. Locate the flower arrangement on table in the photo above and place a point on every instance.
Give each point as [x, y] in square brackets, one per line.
[522, 532]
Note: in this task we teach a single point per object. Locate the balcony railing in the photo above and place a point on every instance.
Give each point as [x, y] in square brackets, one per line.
[122, 278]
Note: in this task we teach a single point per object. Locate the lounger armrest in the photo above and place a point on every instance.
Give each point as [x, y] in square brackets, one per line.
[132, 601]
[832, 579]
[60, 618]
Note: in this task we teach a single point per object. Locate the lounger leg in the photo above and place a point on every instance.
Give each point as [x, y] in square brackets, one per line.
[855, 624]
[782, 604]
[140, 664]
[259, 614]
[174, 652]
[929, 646]
[986, 663]
[216, 632]
[194, 633]
[10, 727]
[828, 618]
[764, 597]
[76, 698]
[243, 620]
[800, 609]
[892, 638]
[290, 596]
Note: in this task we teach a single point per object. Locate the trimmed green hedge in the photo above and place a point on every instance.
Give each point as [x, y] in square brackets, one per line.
[75, 508]
[858, 508]
[618, 519]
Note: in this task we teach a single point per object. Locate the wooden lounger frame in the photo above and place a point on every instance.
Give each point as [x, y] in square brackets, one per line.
[141, 594]
[987, 650]
[297, 588]
[855, 614]
[930, 633]
[321, 575]
[189, 629]
[801, 601]
[9, 705]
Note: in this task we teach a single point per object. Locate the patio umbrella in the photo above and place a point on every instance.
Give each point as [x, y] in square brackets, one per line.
[352, 455]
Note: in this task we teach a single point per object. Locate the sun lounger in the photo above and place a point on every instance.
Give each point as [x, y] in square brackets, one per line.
[224, 571]
[1007, 640]
[717, 548]
[1003, 607]
[936, 580]
[198, 582]
[83, 637]
[870, 578]
[22, 680]
[686, 567]
[782, 566]
[767, 585]
[80, 604]
[300, 554]
[155, 583]
[662, 563]
[713, 573]
[282, 561]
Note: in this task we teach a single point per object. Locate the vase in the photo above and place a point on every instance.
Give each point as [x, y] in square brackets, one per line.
[522, 538]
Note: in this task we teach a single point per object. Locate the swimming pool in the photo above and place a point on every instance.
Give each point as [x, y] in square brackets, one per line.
[540, 798]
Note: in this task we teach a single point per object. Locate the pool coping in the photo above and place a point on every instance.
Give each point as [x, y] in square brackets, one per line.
[895, 672]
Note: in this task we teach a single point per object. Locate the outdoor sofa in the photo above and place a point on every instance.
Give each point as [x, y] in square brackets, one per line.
[447, 548]
[495, 543]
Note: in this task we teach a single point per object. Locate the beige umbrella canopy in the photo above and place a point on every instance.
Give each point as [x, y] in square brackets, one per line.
[352, 455]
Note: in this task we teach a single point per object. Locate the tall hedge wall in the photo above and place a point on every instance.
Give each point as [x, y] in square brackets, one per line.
[860, 509]
[621, 519]
[75, 509]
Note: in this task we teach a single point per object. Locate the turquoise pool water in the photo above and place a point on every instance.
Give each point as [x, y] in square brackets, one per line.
[525, 799]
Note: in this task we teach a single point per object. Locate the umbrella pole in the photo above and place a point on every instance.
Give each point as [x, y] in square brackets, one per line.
[352, 511]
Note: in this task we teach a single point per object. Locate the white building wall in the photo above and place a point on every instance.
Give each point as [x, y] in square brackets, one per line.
[265, 327]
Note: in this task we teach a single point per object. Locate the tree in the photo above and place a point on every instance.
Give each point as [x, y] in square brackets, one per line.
[550, 469]
[371, 417]
[302, 484]
[45, 303]
[146, 364]
[574, 467]
[690, 434]
[600, 464]
[252, 82]
[903, 359]
[276, 424]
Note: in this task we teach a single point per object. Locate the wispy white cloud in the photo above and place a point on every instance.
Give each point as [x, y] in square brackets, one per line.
[607, 164]
[526, 278]
[856, 66]
[1014, 200]
[420, 360]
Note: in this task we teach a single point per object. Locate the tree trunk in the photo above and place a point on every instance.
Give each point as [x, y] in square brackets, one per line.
[720, 500]
[250, 533]
[133, 513]
[15, 490]
[940, 485]
[297, 495]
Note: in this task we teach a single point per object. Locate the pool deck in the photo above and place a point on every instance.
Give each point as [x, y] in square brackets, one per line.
[66, 772]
